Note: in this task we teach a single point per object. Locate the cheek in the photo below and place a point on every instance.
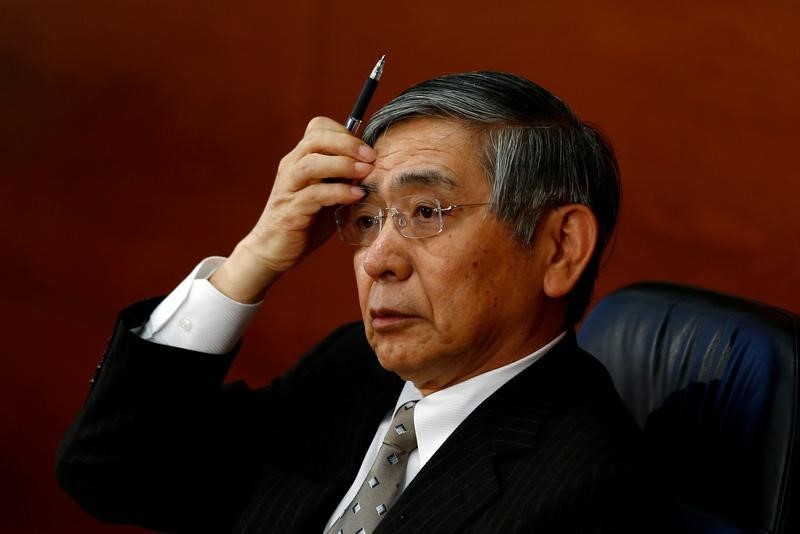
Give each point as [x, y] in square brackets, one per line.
[469, 289]
[494, 279]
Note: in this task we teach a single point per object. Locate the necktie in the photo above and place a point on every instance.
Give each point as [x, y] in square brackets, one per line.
[382, 485]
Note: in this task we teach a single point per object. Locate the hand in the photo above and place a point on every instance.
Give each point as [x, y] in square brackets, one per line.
[297, 218]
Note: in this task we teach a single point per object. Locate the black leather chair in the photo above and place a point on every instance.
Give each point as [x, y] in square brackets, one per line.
[713, 382]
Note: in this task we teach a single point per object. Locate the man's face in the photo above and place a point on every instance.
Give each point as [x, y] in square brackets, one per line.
[439, 310]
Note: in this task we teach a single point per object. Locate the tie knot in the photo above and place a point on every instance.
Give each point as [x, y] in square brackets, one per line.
[401, 433]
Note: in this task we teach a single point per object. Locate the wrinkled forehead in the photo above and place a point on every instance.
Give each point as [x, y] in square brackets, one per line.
[434, 155]
[425, 179]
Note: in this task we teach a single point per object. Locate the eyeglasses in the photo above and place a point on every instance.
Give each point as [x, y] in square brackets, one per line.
[414, 217]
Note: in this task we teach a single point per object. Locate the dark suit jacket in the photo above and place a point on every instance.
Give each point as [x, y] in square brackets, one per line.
[161, 443]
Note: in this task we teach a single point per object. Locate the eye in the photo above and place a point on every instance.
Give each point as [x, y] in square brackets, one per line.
[362, 217]
[364, 222]
[424, 212]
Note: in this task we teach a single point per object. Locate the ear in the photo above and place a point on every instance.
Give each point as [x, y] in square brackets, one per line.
[569, 234]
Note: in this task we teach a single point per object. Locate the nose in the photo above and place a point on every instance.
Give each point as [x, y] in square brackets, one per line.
[387, 257]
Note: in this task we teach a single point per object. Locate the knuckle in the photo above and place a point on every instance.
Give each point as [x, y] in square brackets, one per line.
[311, 142]
[305, 164]
[283, 163]
[315, 123]
[313, 193]
[304, 145]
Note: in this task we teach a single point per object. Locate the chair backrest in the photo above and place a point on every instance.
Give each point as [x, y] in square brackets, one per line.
[713, 382]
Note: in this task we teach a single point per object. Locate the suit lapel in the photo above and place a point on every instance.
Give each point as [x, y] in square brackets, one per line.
[316, 483]
[375, 393]
[460, 479]
[375, 398]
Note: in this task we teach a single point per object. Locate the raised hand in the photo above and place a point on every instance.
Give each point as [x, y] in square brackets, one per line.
[297, 218]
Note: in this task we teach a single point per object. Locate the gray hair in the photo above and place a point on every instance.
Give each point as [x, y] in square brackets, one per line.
[537, 154]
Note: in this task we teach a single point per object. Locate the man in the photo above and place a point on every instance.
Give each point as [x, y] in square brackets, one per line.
[479, 206]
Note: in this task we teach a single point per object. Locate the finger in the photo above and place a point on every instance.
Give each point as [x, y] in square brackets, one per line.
[334, 143]
[313, 198]
[314, 167]
[325, 123]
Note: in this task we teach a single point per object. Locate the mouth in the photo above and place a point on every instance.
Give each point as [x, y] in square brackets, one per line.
[384, 319]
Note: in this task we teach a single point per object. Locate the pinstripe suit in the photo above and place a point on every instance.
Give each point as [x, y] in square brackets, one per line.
[159, 443]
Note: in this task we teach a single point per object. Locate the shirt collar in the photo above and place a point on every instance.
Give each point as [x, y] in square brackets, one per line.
[437, 415]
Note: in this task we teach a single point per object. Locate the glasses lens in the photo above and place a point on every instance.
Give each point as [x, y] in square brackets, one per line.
[422, 217]
[414, 217]
[359, 224]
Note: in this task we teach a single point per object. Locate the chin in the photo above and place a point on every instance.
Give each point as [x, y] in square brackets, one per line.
[397, 360]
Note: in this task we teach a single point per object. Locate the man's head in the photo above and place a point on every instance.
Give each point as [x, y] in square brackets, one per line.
[536, 153]
[498, 279]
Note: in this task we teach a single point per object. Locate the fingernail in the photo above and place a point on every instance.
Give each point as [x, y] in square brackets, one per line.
[358, 191]
[362, 168]
[366, 152]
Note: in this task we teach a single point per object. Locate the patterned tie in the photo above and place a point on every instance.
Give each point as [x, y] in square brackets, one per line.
[382, 486]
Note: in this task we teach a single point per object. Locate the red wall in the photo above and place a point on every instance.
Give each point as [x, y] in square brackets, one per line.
[138, 137]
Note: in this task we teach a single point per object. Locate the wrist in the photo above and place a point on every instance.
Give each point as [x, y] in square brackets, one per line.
[242, 277]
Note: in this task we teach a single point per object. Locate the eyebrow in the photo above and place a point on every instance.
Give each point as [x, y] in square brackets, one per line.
[423, 177]
[429, 177]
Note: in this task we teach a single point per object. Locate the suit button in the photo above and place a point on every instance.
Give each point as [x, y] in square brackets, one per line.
[185, 325]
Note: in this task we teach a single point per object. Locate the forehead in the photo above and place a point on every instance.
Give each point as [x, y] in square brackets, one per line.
[436, 154]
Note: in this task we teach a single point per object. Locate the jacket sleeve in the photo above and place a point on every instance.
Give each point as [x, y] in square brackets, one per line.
[160, 442]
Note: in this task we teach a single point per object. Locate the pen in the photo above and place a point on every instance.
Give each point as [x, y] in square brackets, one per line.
[357, 115]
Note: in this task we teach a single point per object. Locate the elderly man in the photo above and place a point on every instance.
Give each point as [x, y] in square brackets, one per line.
[479, 206]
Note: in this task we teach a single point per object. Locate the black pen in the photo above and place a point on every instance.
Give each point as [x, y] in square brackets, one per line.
[357, 115]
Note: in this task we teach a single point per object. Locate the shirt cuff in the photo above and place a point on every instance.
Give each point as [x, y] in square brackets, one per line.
[197, 316]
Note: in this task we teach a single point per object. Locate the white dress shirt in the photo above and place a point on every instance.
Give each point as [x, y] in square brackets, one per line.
[436, 416]
[197, 316]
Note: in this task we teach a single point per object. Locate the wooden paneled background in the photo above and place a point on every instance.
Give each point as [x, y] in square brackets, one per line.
[137, 137]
